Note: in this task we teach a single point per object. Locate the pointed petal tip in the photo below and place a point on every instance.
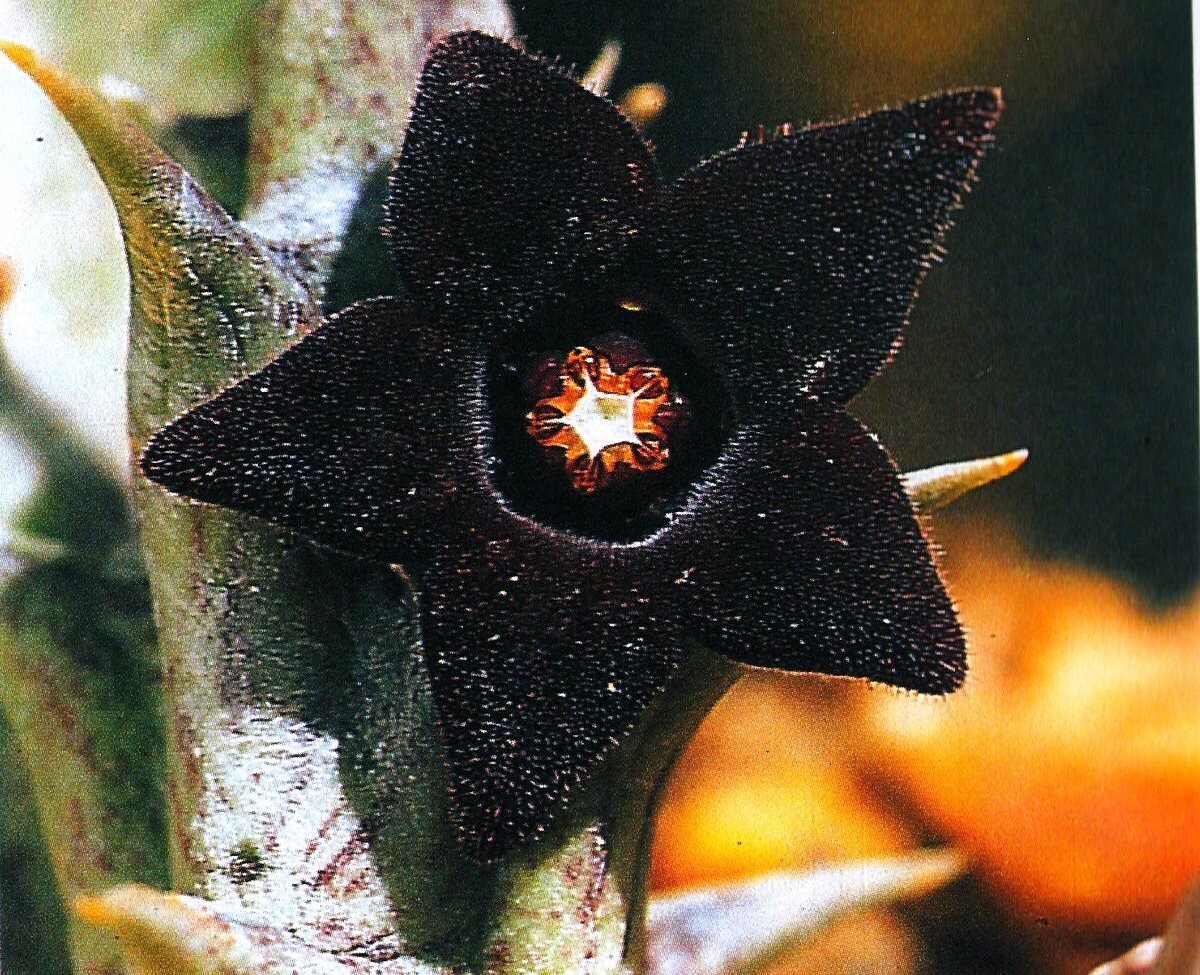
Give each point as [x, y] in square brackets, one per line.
[463, 40]
[154, 460]
[941, 671]
[991, 99]
[991, 106]
[935, 487]
[179, 460]
[523, 121]
[949, 677]
[986, 101]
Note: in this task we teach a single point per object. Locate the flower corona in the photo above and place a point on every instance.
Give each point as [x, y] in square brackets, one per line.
[601, 421]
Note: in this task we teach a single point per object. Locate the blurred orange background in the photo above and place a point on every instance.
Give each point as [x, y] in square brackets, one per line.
[1068, 768]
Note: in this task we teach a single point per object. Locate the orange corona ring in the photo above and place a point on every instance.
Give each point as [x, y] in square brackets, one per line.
[602, 421]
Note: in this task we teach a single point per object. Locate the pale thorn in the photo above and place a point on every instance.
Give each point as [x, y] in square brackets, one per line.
[741, 926]
[1177, 952]
[1139, 960]
[173, 934]
[643, 103]
[935, 487]
[162, 933]
[599, 76]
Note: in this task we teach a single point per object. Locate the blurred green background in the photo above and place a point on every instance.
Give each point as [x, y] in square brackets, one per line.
[1064, 319]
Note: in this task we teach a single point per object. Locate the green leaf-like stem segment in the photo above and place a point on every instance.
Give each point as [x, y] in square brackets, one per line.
[331, 94]
[80, 705]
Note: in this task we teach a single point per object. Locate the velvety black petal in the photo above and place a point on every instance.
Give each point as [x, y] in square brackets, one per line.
[800, 257]
[512, 180]
[802, 552]
[795, 262]
[544, 651]
[365, 436]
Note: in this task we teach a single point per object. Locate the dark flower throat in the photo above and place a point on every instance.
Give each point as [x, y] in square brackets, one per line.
[546, 468]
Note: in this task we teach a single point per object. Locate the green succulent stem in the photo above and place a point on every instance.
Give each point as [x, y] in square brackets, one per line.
[640, 769]
[331, 91]
[597, 857]
[575, 900]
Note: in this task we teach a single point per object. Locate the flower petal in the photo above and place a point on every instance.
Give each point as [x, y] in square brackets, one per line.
[803, 553]
[800, 256]
[512, 178]
[361, 436]
[544, 650]
[800, 550]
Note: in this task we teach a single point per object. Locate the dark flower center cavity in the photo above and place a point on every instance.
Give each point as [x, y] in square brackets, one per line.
[603, 418]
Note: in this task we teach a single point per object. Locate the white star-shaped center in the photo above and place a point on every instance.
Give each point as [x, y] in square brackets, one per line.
[602, 420]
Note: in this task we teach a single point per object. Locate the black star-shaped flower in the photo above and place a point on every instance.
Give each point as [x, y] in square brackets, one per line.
[544, 264]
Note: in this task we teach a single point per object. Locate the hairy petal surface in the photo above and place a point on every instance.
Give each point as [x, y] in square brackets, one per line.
[544, 652]
[792, 264]
[543, 647]
[799, 550]
[363, 436]
[799, 258]
[513, 179]
[803, 552]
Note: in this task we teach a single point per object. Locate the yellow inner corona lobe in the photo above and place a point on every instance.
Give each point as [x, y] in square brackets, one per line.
[602, 421]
